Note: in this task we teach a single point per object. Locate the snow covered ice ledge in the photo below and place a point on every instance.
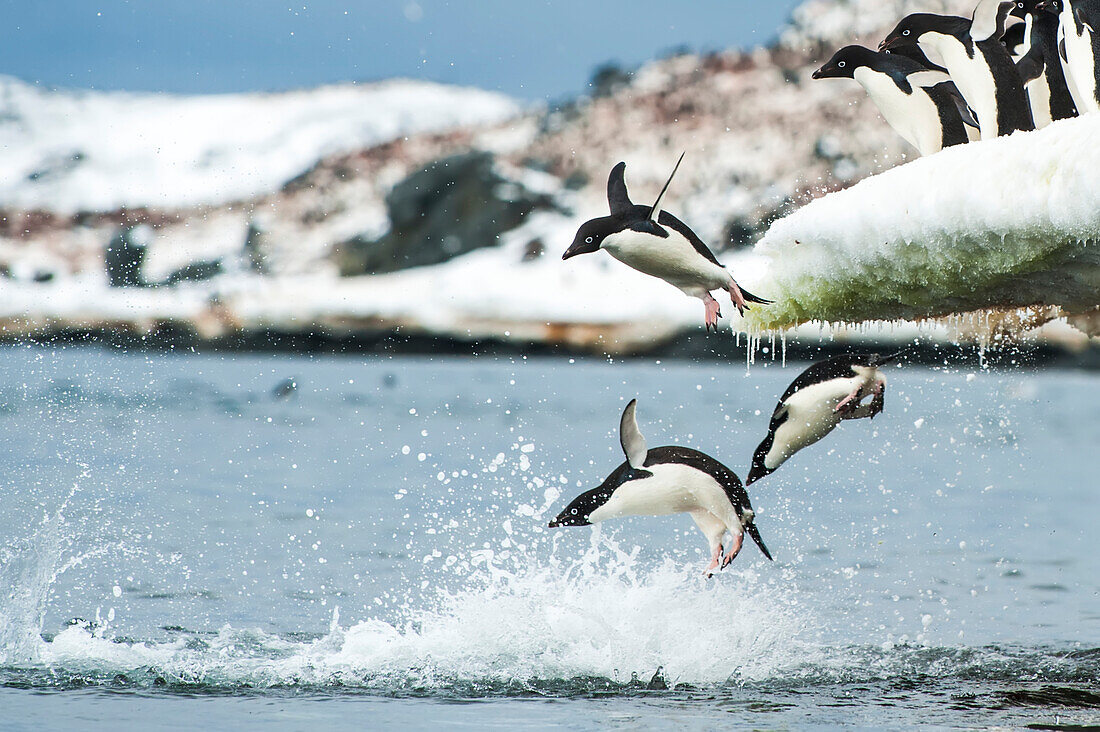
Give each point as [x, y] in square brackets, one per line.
[1000, 224]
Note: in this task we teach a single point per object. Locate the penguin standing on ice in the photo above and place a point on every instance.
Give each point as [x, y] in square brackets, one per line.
[979, 64]
[657, 243]
[816, 402]
[1079, 25]
[1040, 67]
[922, 105]
[668, 480]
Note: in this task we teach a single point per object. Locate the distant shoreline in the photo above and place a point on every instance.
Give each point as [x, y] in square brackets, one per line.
[685, 347]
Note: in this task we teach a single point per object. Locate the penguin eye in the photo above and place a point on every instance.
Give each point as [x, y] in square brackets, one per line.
[842, 64]
[587, 241]
[574, 512]
[905, 32]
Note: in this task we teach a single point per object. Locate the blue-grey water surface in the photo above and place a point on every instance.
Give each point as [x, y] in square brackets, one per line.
[182, 548]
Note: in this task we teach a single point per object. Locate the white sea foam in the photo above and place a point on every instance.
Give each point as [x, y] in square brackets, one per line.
[598, 616]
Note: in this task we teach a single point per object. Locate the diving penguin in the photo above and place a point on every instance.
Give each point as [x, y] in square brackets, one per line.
[1040, 67]
[657, 243]
[668, 480]
[816, 402]
[921, 105]
[979, 64]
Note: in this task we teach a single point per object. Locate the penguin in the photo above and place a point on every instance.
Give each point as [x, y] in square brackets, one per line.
[1040, 66]
[657, 243]
[979, 65]
[668, 480]
[1078, 21]
[815, 403]
[921, 105]
[284, 389]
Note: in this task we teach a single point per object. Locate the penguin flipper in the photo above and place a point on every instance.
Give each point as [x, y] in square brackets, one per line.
[1030, 66]
[754, 532]
[631, 438]
[965, 112]
[655, 210]
[648, 226]
[617, 198]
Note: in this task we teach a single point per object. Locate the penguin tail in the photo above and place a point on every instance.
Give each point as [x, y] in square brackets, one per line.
[756, 472]
[749, 297]
[755, 534]
[892, 357]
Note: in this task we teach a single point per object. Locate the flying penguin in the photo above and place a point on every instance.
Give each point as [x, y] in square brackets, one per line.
[815, 403]
[978, 62]
[1040, 66]
[668, 480]
[657, 243]
[921, 104]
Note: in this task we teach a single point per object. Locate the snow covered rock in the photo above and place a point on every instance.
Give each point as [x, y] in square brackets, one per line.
[65, 150]
[1001, 224]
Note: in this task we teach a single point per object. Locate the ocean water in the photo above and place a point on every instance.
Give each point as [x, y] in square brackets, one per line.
[181, 547]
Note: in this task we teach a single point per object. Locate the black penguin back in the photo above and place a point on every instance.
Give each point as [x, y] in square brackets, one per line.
[1013, 111]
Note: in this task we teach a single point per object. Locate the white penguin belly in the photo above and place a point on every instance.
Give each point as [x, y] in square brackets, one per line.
[1038, 98]
[811, 414]
[913, 116]
[974, 80]
[674, 260]
[673, 488]
[1080, 64]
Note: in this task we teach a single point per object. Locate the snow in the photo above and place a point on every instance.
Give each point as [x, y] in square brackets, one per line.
[66, 151]
[1001, 224]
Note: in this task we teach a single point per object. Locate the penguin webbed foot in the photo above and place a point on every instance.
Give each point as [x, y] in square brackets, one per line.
[735, 549]
[737, 298]
[878, 402]
[714, 311]
[848, 403]
[715, 562]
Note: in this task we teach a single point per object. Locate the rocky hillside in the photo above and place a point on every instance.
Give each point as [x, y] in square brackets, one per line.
[761, 139]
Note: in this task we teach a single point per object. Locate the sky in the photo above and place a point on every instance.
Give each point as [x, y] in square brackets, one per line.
[532, 49]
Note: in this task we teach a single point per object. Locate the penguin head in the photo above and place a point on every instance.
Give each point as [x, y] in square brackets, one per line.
[1048, 6]
[591, 235]
[909, 30]
[1021, 8]
[844, 63]
[579, 510]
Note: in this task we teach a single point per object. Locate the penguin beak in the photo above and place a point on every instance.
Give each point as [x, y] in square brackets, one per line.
[889, 42]
[820, 73]
[579, 246]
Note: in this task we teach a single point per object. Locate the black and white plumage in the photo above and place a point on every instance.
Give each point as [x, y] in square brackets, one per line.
[667, 480]
[920, 103]
[1040, 66]
[979, 65]
[1015, 40]
[816, 402]
[657, 243]
[1079, 29]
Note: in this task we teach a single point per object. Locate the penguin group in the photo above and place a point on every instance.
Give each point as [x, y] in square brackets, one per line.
[674, 479]
[1014, 65]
